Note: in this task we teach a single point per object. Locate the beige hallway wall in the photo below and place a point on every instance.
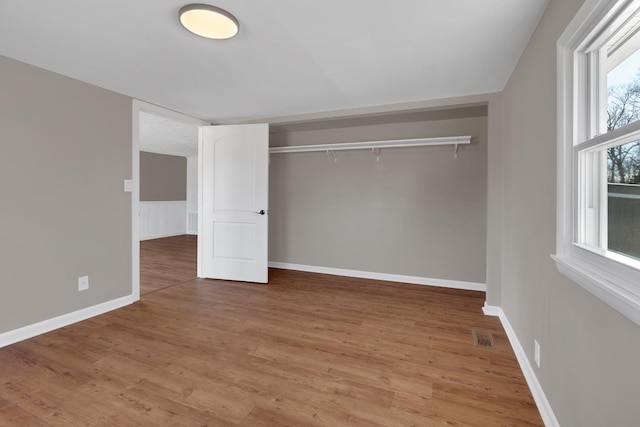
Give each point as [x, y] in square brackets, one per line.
[162, 177]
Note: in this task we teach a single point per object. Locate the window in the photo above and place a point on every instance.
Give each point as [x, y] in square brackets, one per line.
[598, 242]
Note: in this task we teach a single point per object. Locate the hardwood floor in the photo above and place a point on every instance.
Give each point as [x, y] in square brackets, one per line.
[305, 350]
[167, 262]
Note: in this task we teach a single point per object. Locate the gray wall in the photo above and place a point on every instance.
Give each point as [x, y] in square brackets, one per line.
[162, 177]
[590, 353]
[495, 202]
[417, 212]
[65, 149]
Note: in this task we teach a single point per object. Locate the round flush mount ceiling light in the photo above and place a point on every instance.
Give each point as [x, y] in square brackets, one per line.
[209, 21]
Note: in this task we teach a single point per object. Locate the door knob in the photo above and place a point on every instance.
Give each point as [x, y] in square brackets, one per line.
[261, 212]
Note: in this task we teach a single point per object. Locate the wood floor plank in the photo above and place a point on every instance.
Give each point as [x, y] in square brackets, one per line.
[305, 350]
[166, 262]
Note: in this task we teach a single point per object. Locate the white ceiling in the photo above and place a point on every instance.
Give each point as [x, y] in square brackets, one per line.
[165, 136]
[291, 56]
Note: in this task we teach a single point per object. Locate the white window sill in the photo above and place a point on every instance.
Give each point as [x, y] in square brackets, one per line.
[613, 289]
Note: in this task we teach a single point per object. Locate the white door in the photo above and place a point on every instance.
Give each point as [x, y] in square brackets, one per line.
[234, 176]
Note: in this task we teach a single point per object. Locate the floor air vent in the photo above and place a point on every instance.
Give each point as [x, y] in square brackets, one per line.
[483, 339]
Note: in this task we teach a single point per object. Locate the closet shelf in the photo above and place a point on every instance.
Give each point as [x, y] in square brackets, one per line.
[368, 145]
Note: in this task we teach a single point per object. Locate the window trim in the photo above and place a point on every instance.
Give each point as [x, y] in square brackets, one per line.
[602, 273]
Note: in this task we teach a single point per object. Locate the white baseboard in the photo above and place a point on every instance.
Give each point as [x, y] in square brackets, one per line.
[546, 412]
[30, 331]
[454, 284]
[491, 310]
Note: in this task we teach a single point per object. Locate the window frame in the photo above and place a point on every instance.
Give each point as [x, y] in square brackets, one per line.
[613, 278]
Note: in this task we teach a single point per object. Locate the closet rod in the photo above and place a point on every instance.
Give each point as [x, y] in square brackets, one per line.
[394, 143]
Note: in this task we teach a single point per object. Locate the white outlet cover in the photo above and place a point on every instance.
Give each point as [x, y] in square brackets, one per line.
[536, 352]
[83, 283]
[128, 185]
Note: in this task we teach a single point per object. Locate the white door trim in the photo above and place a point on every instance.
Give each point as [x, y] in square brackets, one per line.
[137, 107]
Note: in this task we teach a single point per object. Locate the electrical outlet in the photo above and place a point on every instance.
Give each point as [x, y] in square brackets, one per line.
[83, 283]
[536, 355]
[128, 185]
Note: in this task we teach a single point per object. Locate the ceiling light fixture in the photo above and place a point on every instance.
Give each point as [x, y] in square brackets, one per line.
[209, 21]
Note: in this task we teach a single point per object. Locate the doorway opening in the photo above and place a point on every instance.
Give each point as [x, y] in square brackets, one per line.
[164, 199]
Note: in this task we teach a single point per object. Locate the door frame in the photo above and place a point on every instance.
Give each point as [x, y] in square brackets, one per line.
[137, 107]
